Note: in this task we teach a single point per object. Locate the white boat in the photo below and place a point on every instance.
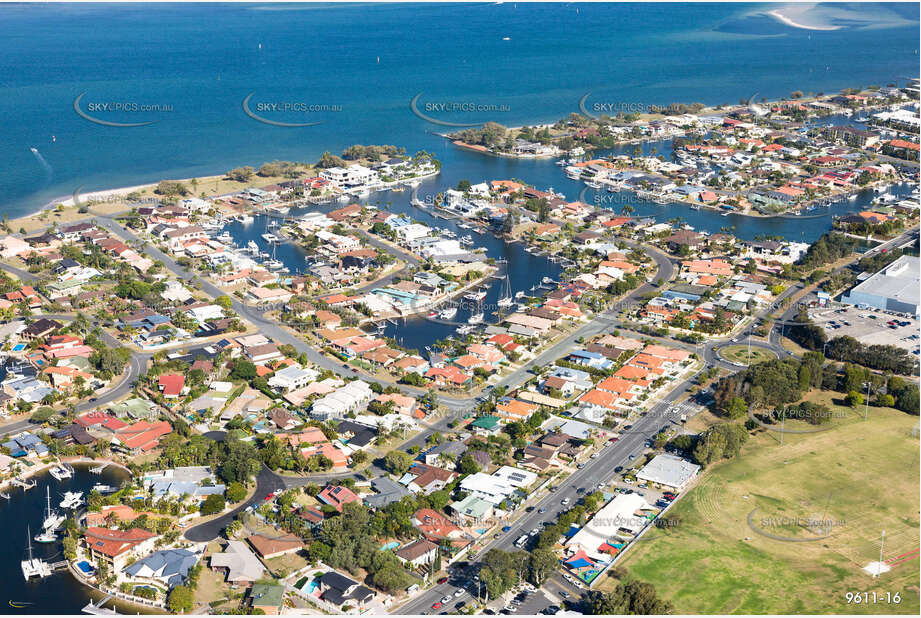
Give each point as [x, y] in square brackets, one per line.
[506, 299]
[466, 240]
[417, 203]
[34, 567]
[476, 296]
[47, 536]
[53, 519]
[593, 184]
[4, 495]
[104, 489]
[476, 318]
[448, 314]
[245, 219]
[271, 238]
[574, 172]
[465, 329]
[519, 294]
[547, 280]
[61, 472]
[252, 247]
[225, 238]
[72, 499]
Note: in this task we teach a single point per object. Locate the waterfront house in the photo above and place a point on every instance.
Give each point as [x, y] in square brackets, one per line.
[117, 547]
[167, 568]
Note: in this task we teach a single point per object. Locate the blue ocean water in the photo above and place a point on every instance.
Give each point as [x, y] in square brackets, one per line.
[530, 63]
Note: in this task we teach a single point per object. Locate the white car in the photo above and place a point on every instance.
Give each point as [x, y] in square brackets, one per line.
[459, 592]
[564, 501]
[596, 455]
[445, 600]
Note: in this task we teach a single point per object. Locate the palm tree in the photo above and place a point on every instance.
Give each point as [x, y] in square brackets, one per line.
[626, 210]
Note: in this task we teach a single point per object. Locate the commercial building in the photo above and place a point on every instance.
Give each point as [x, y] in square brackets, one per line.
[669, 471]
[894, 288]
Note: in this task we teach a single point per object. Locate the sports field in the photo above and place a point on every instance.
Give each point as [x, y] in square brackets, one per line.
[788, 528]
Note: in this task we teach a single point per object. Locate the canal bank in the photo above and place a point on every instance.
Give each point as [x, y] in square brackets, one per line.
[59, 593]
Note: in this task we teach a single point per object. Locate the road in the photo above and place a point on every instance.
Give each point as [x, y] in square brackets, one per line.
[598, 470]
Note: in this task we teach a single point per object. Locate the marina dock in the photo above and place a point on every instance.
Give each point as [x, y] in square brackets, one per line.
[97, 609]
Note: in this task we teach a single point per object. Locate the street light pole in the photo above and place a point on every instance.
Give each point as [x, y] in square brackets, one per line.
[866, 410]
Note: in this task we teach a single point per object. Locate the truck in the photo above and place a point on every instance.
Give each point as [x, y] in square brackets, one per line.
[684, 418]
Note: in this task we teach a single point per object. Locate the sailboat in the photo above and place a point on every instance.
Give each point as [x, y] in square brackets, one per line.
[478, 316]
[34, 567]
[506, 299]
[53, 520]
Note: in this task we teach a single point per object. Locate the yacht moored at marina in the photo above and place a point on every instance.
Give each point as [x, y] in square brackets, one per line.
[448, 314]
[72, 499]
[475, 296]
[34, 567]
[53, 519]
[61, 472]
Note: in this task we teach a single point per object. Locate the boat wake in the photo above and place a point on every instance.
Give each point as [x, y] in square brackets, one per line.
[41, 160]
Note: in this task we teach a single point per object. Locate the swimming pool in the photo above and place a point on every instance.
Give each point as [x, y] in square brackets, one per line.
[86, 567]
[390, 545]
[19, 347]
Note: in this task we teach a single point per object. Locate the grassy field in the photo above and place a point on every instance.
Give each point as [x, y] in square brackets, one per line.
[740, 354]
[858, 479]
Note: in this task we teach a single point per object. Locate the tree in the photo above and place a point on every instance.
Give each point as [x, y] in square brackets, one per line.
[467, 465]
[397, 462]
[179, 600]
[634, 597]
[243, 370]
[854, 399]
[235, 492]
[224, 302]
[214, 503]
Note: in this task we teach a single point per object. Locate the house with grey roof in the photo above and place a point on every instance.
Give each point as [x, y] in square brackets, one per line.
[243, 567]
[388, 491]
[168, 567]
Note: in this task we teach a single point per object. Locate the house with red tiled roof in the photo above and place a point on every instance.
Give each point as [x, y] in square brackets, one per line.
[336, 496]
[141, 436]
[448, 376]
[437, 527]
[171, 385]
[117, 547]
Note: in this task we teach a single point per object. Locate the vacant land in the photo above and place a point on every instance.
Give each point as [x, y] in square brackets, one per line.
[824, 498]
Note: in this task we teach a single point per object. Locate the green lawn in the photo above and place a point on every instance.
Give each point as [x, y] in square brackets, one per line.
[740, 354]
[862, 477]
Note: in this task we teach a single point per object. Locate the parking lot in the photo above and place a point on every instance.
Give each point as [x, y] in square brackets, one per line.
[869, 326]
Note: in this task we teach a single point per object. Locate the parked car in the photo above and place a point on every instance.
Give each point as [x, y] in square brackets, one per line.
[442, 580]
[459, 592]
[436, 605]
